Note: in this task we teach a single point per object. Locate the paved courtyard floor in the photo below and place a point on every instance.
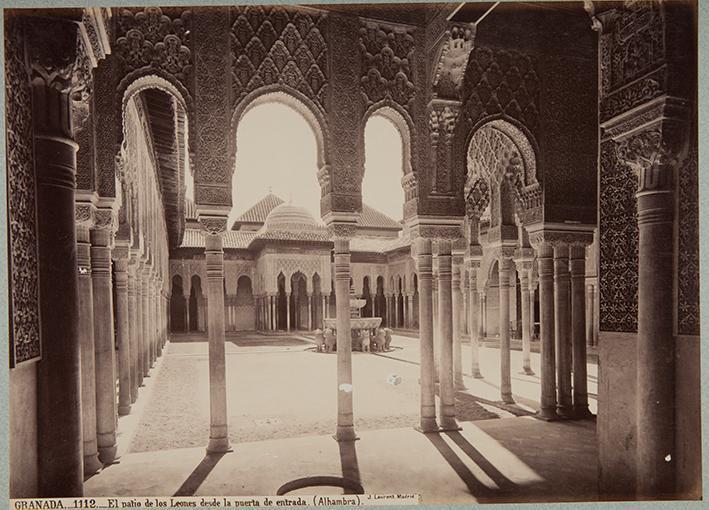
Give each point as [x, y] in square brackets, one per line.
[282, 405]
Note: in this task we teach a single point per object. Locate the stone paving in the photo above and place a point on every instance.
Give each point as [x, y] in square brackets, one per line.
[282, 414]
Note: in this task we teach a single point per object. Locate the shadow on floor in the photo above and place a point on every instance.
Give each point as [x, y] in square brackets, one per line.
[348, 461]
[478, 489]
[199, 475]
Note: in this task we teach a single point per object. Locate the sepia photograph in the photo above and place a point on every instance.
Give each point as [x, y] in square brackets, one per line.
[352, 254]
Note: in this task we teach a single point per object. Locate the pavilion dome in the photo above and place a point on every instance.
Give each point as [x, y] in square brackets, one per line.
[289, 217]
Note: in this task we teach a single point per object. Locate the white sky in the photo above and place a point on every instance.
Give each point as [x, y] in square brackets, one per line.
[276, 150]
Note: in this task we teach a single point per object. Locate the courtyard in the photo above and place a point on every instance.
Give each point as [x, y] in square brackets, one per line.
[281, 401]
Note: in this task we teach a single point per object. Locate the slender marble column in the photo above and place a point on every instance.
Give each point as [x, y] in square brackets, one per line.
[310, 312]
[101, 240]
[545, 264]
[288, 295]
[324, 310]
[218, 430]
[504, 267]
[447, 417]
[474, 310]
[345, 411]
[145, 319]
[436, 321]
[427, 367]
[120, 266]
[187, 313]
[483, 304]
[561, 329]
[523, 270]
[88, 356]
[140, 368]
[578, 334]
[132, 330]
[589, 314]
[327, 306]
[152, 340]
[457, 317]
[656, 457]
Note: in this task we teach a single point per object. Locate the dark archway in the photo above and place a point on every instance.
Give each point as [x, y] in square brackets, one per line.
[196, 305]
[380, 304]
[367, 310]
[177, 306]
[281, 321]
[415, 305]
[400, 305]
[245, 305]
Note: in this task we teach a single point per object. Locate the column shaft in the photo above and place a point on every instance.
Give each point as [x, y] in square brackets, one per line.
[123, 336]
[505, 364]
[310, 312]
[59, 371]
[218, 430]
[545, 263]
[578, 325]
[561, 329]
[589, 314]
[145, 320]
[457, 317]
[345, 411]
[427, 367]
[656, 456]
[288, 295]
[474, 310]
[526, 321]
[447, 418]
[88, 356]
[104, 344]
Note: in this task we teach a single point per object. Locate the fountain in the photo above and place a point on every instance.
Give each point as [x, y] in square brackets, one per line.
[366, 334]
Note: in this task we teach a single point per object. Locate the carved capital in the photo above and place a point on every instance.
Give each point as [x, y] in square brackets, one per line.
[213, 224]
[652, 156]
[342, 231]
[52, 45]
[105, 219]
[84, 215]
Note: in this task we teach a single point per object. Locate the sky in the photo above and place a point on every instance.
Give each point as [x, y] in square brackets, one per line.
[276, 151]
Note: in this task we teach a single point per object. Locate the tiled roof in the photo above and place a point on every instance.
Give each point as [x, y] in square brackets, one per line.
[379, 244]
[194, 238]
[371, 218]
[319, 235]
[258, 212]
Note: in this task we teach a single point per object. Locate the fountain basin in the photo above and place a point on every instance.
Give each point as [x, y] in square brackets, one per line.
[356, 323]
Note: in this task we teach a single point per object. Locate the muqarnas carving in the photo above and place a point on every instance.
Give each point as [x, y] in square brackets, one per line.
[387, 64]
[151, 38]
[277, 44]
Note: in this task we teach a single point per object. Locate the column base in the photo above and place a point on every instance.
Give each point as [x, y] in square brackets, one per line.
[565, 412]
[107, 454]
[507, 399]
[460, 385]
[91, 465]
[546, 414]
[134, 396]
[583, 413]
[527, 371]
[477, 374]
[219, 445]
[427, 426]
[345, 434]
[123, 410]
[449, 425]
